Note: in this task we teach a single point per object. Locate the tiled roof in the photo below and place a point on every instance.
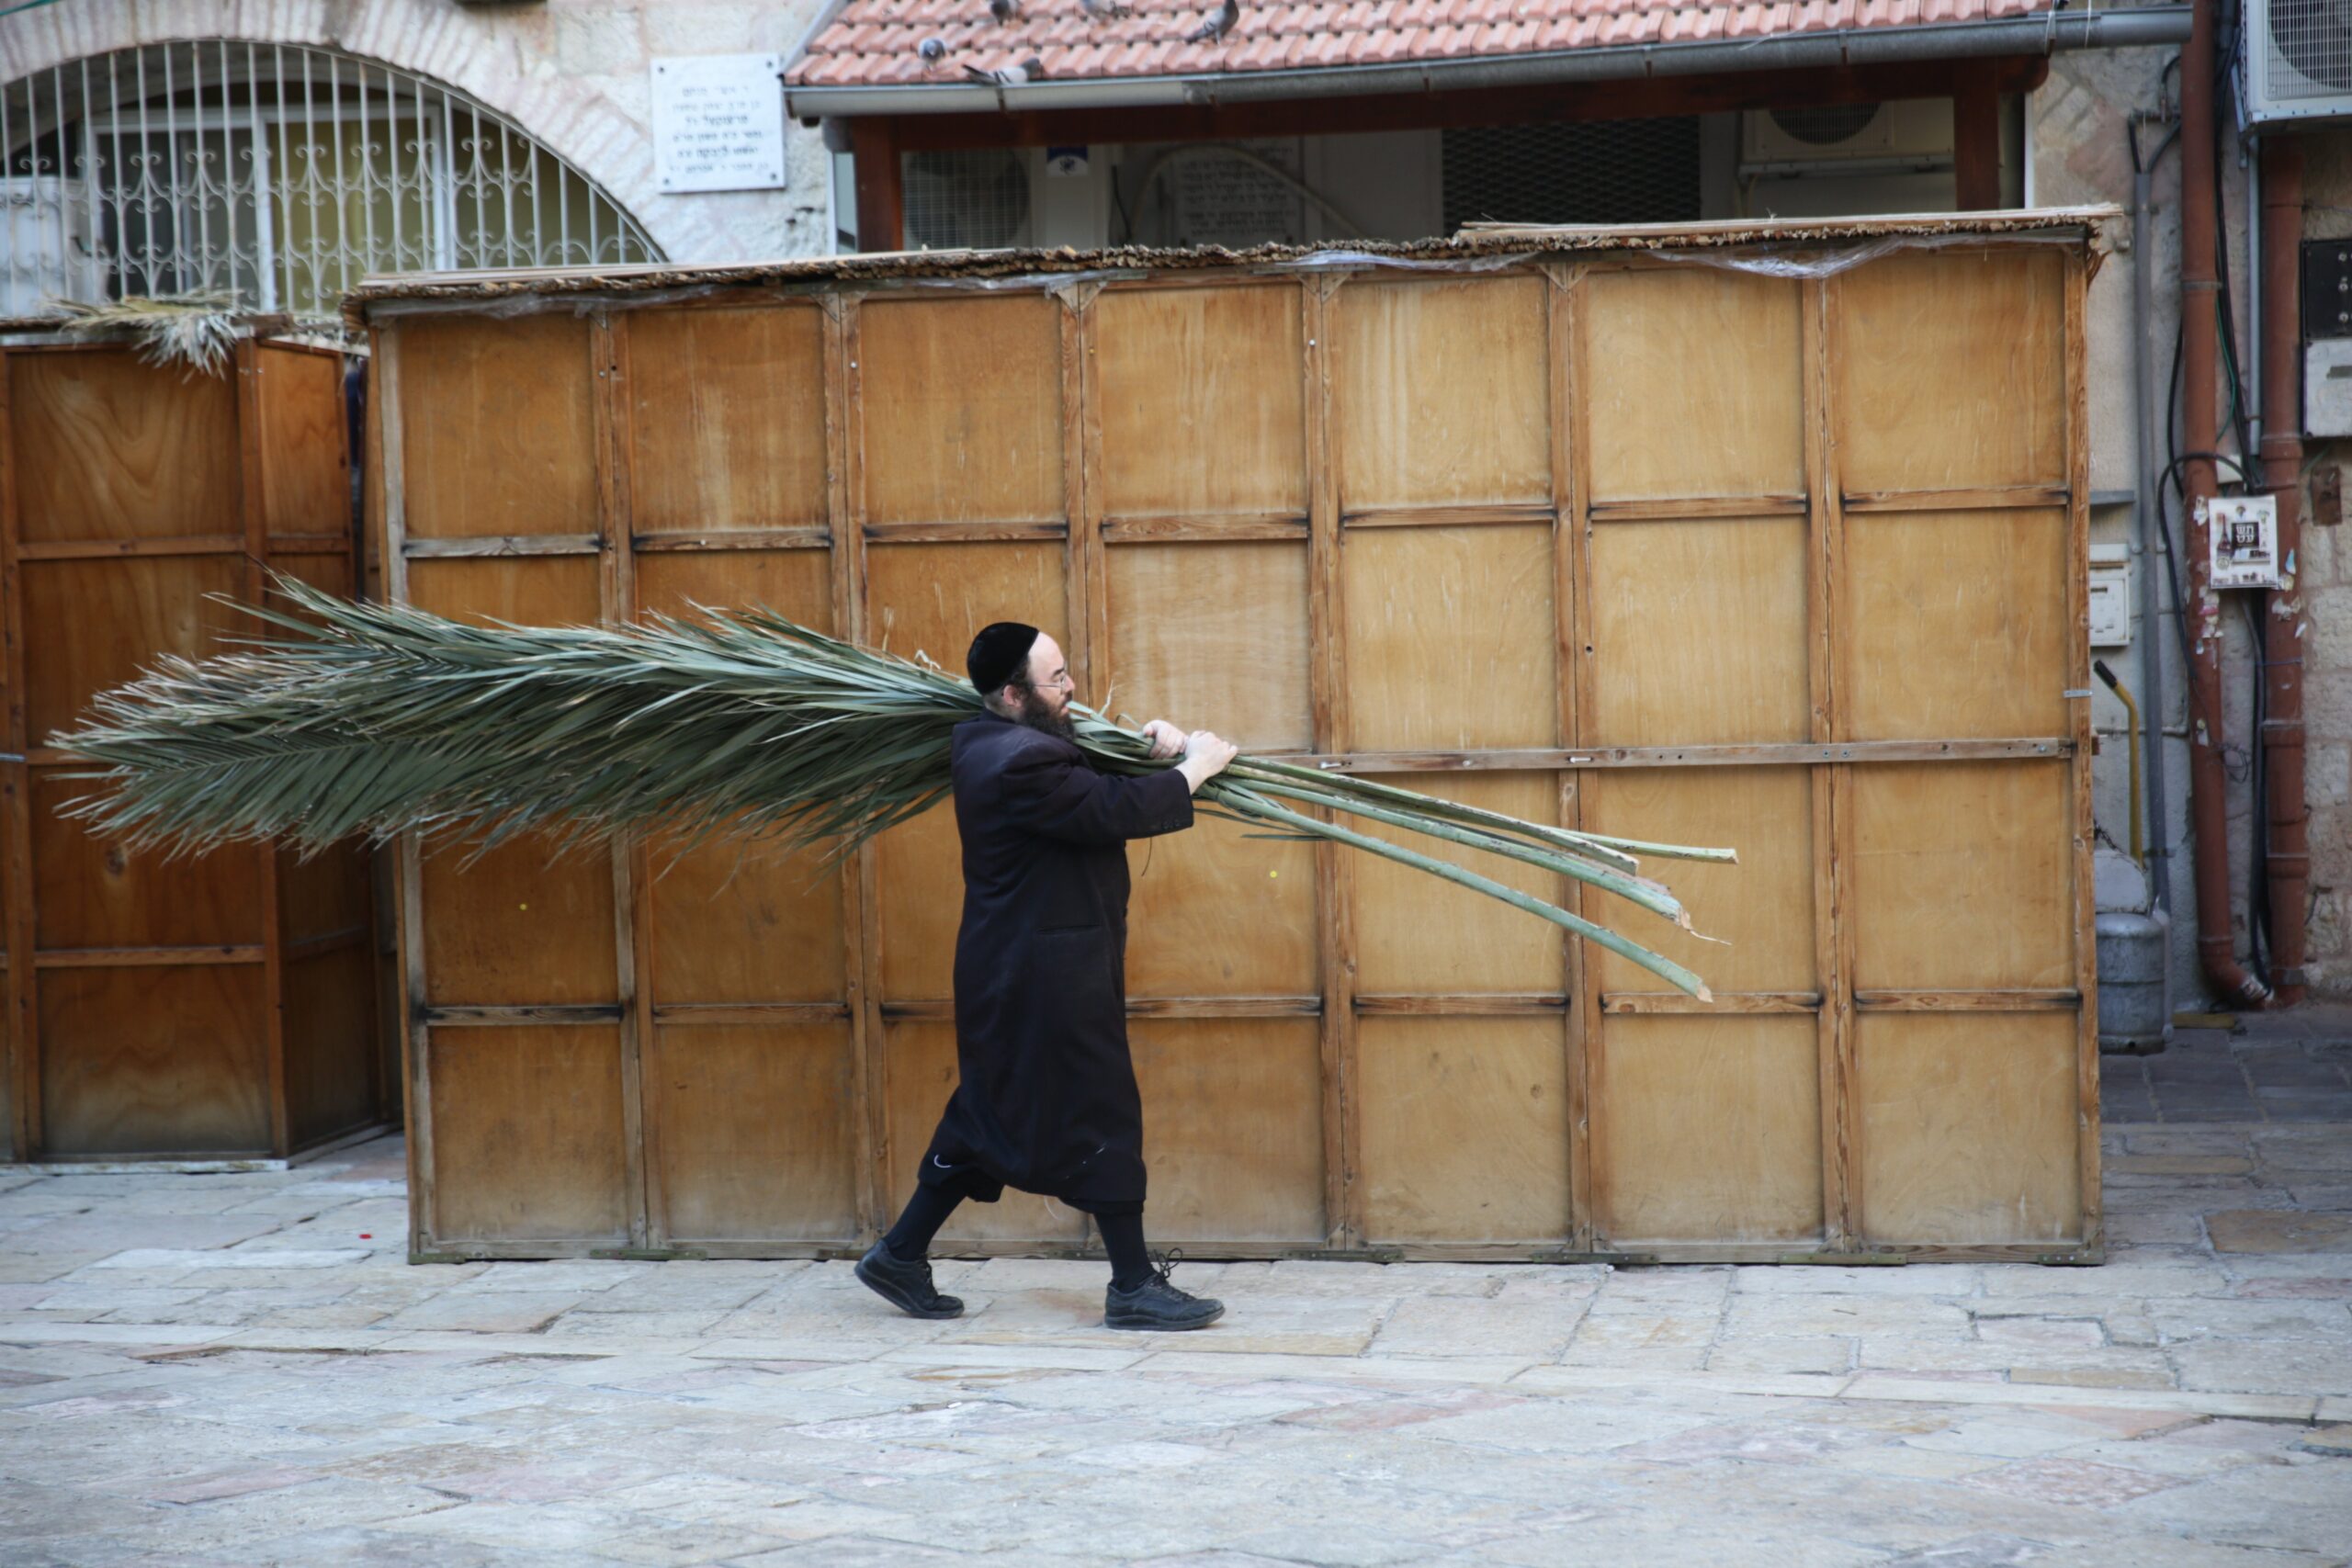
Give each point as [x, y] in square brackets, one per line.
[878, 42]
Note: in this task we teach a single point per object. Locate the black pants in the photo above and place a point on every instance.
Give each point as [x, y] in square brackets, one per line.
[937, 1196]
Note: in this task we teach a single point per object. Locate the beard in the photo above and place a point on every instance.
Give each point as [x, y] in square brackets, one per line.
[1034, 712]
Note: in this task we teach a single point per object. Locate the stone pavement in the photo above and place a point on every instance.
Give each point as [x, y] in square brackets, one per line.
[242, 1369]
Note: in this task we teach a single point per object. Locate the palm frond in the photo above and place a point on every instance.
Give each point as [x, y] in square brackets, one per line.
[198, 331]
[346, 719]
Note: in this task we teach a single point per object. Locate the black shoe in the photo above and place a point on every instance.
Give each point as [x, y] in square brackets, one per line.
[1157, 1305]
[905, 1285]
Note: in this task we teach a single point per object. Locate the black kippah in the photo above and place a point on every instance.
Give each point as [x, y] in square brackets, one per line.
[998, 654]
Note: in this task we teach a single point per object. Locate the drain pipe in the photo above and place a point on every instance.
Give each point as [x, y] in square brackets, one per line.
[2281, 333]
[2150, 498]
[2200, 294]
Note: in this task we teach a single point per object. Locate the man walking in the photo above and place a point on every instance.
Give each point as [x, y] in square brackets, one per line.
[1046, 1099]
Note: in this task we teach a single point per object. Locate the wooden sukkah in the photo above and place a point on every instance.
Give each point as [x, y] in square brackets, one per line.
[1767, 534]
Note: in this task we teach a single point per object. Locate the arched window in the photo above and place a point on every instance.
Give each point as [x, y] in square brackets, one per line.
[276, 175]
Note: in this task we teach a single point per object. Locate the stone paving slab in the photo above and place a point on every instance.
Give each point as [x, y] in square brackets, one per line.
[243, 1370]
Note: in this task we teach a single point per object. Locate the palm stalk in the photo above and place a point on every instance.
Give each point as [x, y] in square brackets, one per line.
[375, 720]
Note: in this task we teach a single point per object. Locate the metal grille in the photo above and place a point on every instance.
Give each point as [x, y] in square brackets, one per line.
[1633, 171]
[277, 177]
[976, 200]
[2306, 48]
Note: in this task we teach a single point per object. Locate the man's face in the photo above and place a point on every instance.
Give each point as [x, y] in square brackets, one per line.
[1044, 692]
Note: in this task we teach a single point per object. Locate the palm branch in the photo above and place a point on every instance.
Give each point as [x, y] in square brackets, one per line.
[373, 720]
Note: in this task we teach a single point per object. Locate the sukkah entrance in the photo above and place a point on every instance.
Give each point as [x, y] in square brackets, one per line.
[1787, 553]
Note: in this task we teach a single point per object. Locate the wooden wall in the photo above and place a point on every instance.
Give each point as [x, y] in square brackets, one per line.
[1666, 552]
[221, 1006]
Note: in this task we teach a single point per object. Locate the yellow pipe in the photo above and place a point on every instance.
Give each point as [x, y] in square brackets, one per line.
[2139, 840]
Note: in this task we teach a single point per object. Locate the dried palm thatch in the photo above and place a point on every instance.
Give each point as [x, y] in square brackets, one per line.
[198, 331]
[382, 719]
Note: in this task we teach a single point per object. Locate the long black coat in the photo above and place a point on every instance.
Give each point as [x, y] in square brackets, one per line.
[1047, 1101]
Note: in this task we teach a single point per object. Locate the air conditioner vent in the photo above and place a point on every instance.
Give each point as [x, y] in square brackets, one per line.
[976, 200]
[1827, 126]
[2297, 60]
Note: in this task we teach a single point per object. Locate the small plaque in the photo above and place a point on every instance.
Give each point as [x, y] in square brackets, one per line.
[718, 123]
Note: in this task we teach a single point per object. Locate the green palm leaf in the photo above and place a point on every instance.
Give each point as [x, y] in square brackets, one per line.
[373, 720]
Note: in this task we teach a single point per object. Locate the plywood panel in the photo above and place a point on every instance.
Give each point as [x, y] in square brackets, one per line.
[1466, 1129]
[931, 599]
[518, 928]
[1699, 633]
[1956, 624]
[331, 1066]
[921, 1076]
[727, 418]
[1415, 934]
[550, 591]
[1963, 875]
[796, 584]
[1215, 912]
[1212, 636]
[152, 1061]
[1967, 1127]
[107, 448]
[962, 407]
[1706, 1129]
[1451, 638]
[527, 1134]
[306, 474]
[1443, 393]
[1760, 911]
[1948, 370]
[496, 426]
[745, 922]
[1232, 1129]
[742, 923]
[755, 1127]
[1202, 401]
[91, 892]
[1694, 385]
[90, 624]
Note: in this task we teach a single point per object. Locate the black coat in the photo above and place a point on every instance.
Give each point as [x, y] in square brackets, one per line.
[1047, 1100]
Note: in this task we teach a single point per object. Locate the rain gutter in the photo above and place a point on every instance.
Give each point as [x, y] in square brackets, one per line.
[2049, 32]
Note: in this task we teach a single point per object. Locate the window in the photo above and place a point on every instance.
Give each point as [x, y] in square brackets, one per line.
[274, 176]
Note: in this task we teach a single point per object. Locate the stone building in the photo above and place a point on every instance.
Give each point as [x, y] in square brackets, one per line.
[419, 134]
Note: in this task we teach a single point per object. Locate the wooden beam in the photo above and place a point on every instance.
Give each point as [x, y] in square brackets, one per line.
[1634, 99]
[1976, 135]
[875, 146]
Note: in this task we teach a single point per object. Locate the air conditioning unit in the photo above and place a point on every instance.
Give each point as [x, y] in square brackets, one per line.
[1906, 133]
[2297, 60]
[45, 249]
[968, 201]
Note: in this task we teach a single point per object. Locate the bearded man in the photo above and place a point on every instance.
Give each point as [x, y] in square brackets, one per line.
[1046, 1099]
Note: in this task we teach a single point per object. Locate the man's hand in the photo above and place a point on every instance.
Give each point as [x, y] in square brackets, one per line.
[1167, 740]
[1205, 756]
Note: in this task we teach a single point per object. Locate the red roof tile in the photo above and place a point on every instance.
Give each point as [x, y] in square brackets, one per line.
[876, 42]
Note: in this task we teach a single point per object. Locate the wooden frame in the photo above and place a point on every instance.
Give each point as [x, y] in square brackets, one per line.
[1099, 526]
[273, 1068]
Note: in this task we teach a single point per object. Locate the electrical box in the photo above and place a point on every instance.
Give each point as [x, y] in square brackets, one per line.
[2110, 596]
[2245, 532]
[2327, 387]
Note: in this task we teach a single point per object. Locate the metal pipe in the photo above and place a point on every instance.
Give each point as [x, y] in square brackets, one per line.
[2200, 294]
[2046, 32]
[2280, 330]
[2143, 526]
